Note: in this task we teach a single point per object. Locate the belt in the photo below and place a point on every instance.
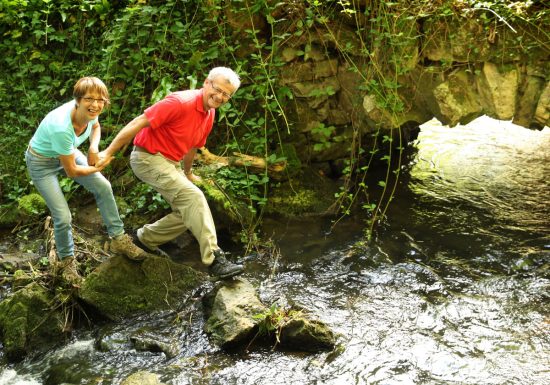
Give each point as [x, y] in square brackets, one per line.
[141, 149]
[37, 154]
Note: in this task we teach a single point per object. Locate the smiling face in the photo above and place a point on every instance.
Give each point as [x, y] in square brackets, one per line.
[217, 92]
[91, 96]
[90, 105]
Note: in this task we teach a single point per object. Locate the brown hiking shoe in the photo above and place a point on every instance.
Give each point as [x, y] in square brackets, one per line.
[67, 268]
[123, 245]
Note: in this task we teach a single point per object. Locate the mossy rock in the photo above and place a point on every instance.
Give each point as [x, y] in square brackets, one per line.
[228, 212]
[142, 378]
[29, 322]
[9, 216]
[32, 204]
[308, 335]
[310, 194]
[119, 287]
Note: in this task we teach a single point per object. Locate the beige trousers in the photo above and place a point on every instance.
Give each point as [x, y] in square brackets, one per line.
[189, 206]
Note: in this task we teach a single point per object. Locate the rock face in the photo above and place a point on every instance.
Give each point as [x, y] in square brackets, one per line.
[345, 82]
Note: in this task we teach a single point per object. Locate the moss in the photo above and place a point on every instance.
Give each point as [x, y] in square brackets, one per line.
[308, 194]
[32, 204]
[28, 323]
[120, 287]
[228, 211]
[9, 215]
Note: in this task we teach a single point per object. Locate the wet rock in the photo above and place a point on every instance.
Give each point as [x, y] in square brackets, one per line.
[230, 310]
[29, 322]
[120, 287]
[11, 262]
[236, 316]
[142, 378]
[304, 334]
[149, 342]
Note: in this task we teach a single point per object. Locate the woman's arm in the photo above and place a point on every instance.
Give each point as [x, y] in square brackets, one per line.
[74, 170]
[93, 150]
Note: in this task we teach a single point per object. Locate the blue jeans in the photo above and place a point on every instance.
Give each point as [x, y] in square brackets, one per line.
[44, 174]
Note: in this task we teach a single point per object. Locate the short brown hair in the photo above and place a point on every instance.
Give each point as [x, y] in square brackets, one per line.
[92, 84]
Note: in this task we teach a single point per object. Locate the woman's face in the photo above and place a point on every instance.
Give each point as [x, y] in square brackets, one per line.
[91, 105]
[216, 93]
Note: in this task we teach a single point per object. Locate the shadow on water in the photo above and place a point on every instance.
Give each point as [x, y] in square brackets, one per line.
[454, 289]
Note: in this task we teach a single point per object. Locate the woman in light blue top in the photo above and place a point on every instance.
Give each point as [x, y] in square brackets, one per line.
[53, 151]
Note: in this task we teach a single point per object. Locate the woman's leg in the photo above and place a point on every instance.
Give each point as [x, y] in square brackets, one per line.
[100, 187]
[44, 173]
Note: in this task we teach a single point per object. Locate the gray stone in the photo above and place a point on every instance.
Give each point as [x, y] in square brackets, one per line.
[230, 310]
[142, 378]
[497, 90]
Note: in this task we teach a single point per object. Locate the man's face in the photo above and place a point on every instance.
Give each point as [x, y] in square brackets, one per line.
[216, 93]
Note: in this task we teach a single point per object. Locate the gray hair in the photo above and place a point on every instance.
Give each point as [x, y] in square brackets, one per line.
[225, 73]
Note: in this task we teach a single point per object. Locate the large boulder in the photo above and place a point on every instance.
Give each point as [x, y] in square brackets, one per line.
[120, 287]
[235, 316]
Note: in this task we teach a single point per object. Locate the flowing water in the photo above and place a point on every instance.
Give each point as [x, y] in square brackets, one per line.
[454, 289]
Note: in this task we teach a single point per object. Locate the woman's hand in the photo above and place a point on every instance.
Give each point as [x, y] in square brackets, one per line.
[93, 158]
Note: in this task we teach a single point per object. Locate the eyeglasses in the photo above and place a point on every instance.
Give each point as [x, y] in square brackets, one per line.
[92, 100]
[220, 91]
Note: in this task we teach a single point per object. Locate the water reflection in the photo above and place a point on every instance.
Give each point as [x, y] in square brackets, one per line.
[454, 291]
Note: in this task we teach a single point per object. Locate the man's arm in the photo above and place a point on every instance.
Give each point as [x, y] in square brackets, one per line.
[188, 165]
[125, 136]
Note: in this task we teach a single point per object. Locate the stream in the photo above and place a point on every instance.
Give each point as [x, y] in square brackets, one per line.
[454, 289]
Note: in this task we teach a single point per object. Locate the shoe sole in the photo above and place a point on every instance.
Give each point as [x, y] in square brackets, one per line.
[226, 276]
[160, 253]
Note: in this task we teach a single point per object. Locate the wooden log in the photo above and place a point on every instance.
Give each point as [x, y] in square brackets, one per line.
[254, 164]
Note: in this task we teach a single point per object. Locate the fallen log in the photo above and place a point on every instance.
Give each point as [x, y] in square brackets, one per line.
[254, 164]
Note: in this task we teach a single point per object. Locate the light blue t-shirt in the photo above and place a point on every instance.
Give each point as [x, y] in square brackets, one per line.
[55, 135]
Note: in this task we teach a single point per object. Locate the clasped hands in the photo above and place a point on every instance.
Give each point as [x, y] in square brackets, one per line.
[99, 160]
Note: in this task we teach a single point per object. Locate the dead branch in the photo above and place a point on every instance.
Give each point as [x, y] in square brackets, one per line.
[254, 164]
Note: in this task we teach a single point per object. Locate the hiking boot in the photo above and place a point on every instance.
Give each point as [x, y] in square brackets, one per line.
[67, 268]
[221, 268]
[123, 245]
[150, 249]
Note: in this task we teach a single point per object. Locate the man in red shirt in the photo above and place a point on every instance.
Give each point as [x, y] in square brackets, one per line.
[168, 132]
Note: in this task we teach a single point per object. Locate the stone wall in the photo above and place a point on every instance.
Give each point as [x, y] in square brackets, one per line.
[454, 70]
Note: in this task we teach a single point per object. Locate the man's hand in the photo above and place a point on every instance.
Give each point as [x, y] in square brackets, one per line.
[192, 177]
[104, 160]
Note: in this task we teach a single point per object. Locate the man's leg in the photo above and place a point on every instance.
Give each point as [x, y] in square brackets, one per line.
[190, 207]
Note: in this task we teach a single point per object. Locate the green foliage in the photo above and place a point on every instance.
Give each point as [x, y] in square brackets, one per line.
[272, 321]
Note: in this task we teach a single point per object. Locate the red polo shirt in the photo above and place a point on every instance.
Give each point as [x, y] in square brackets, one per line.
[177, 124]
